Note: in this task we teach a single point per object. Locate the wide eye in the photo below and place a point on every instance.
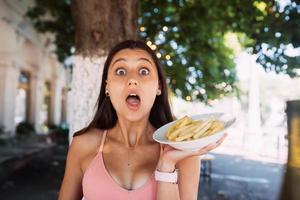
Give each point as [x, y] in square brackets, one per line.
[120, 71]
[144, 71]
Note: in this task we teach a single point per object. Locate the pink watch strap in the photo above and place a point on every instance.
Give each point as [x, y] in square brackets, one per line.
[166, 177]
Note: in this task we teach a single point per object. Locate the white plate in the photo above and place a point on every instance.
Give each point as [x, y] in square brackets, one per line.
[194, 145]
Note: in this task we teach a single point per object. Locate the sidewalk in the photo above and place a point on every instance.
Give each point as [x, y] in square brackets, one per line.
[40, 179]
[245, 167]
[237, 174]
[17, 154]
[240, 178]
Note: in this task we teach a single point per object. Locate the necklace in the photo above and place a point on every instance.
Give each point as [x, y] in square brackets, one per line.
[128, 159]
[129, 151]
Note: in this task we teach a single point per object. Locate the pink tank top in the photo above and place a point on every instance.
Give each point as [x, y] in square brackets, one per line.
[97, 184]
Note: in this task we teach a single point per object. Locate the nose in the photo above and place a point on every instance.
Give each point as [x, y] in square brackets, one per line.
[132, 82]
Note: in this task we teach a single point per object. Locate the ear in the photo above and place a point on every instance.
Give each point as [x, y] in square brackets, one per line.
[158, 90]
[159, 85]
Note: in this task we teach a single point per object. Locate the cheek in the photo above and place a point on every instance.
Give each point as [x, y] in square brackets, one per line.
[150, 94]
[115, 93]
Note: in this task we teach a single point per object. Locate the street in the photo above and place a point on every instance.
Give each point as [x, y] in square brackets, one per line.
[233, 177]
[237, 178]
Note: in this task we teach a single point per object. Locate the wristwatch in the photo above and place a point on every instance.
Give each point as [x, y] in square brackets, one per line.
[170, 177]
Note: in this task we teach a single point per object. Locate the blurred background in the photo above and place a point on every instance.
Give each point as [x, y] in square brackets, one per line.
[237, 57]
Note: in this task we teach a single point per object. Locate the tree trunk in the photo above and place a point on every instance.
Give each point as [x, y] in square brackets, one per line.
[99, 25]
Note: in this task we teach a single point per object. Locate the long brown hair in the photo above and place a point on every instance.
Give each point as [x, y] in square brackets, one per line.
[106, 116]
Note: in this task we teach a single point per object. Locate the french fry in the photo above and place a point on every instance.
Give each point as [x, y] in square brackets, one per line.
[202, 128]
[176, 133]
[217, 127]
[206, 133]
[190, 129]
[186, 129]
[183, 137]
[170, 130]
[180, 123]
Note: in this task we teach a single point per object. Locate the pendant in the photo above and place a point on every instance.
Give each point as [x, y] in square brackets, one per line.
[128, 163]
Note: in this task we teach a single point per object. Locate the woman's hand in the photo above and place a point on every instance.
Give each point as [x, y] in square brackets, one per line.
[170, 156]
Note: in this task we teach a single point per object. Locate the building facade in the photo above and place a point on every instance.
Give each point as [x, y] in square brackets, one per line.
[33, 83]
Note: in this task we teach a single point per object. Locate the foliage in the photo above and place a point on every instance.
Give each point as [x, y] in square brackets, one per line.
[59, 134]
[190, 38]
[193, 33]
[2, 129]
[55, 17]
[24, 129]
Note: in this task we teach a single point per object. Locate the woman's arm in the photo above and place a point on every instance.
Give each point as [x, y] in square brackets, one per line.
[188, 164]
[166, 190]
[71, 186]
[188, 180]
[189, 175]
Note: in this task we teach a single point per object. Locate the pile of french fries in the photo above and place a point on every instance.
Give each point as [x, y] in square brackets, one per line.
[186, 129]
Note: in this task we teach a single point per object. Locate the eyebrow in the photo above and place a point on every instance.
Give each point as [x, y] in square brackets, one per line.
[123, 59]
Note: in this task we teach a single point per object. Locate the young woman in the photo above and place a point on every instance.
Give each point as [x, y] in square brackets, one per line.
[115, 157]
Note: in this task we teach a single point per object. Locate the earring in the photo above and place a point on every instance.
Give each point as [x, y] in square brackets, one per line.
[106, 93]
[158, 92]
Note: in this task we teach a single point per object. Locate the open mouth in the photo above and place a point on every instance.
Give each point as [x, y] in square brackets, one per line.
[133, 100]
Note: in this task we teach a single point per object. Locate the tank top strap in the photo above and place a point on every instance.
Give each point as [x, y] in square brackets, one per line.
[102, 141]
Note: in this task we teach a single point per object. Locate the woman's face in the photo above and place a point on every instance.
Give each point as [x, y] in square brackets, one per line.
[132, 83]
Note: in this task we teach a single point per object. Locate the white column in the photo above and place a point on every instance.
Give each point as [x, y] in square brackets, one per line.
[56, 98]
[36, 101]
[8, 91]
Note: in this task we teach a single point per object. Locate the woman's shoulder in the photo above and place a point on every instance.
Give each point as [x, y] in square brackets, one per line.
[86, 134]
[86, 143]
